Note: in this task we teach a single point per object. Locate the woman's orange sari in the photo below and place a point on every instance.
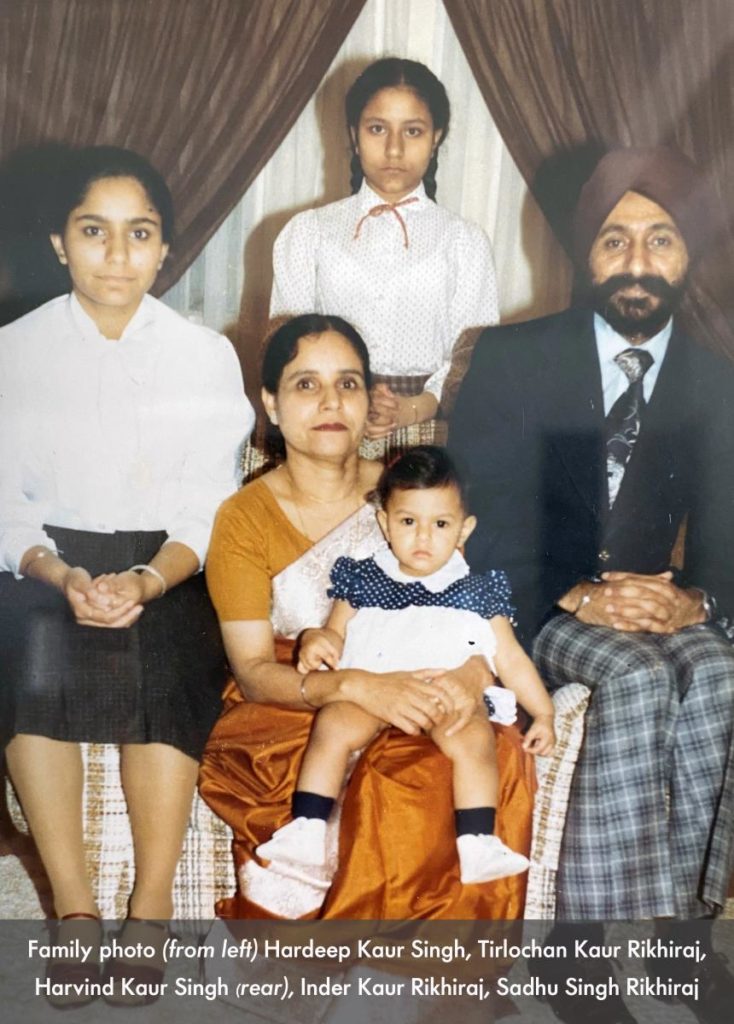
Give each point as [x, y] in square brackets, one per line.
[397, 851]
[393, 850]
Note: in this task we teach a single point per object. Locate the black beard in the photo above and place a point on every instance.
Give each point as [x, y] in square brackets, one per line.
[636, 317]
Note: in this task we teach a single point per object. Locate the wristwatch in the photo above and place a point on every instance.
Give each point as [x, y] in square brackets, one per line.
[708, 603]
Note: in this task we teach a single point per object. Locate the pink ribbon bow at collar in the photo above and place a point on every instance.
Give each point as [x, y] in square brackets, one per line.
[381, 208]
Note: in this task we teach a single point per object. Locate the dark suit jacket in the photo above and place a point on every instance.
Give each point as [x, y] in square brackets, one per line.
[528, 428]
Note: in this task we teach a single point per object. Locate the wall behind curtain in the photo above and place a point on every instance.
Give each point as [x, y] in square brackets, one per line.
[229, 283]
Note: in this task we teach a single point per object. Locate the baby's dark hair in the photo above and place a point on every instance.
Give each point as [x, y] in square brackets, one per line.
[420, 469]
[391, 72]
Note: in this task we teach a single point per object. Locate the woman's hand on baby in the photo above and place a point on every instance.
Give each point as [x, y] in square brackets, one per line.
[463, 687]
[317, 648]
[452, 697]
[540, 739]
[403, 699]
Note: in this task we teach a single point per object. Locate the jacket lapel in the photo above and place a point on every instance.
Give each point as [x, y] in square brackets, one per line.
[574, 408]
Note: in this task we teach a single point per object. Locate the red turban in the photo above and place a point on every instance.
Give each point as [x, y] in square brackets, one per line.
[665, 176]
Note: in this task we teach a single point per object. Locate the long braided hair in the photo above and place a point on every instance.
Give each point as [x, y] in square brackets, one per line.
[388, 73]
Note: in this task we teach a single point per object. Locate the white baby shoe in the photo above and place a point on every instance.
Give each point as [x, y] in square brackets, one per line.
[486, 858]
[301, 841]
[284, 889]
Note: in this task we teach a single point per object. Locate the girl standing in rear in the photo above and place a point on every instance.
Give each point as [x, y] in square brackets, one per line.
[416, 280]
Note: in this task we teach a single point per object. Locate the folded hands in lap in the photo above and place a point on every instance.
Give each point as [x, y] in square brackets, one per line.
[112, 600]
[637, 603]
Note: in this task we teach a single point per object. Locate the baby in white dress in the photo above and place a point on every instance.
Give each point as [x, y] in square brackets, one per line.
[416, 607]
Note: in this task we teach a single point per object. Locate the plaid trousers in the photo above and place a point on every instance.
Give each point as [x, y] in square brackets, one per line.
[650, 824]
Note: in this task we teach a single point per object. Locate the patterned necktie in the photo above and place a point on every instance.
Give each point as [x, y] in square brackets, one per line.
[625, 416]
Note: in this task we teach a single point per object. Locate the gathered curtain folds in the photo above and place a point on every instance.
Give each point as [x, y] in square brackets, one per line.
[205, 90]
[565, 80]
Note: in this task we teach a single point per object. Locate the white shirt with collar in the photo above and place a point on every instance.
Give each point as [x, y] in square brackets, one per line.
[455, 569]
[609, 344]
[142, 433]
[411, 305]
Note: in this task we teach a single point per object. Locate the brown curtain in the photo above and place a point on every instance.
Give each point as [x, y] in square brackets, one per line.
[566, 80]
[207, 89]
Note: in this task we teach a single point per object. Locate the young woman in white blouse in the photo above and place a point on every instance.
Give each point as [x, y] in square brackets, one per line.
[121, 427]
[414, 279]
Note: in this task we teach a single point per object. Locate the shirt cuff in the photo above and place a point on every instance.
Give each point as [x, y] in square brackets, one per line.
[434, 384]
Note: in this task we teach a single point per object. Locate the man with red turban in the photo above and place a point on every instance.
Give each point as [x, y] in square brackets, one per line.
[590, 437]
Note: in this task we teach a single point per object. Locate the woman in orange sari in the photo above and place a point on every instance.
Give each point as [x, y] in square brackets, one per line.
[392, 849]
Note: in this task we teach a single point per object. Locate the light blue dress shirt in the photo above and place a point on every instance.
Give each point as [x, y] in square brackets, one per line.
[609, 344]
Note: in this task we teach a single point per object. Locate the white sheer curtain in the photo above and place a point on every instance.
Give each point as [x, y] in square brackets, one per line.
[228, 286]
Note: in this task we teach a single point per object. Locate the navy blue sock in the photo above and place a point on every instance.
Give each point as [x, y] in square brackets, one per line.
[311, 805]
[474, 821]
